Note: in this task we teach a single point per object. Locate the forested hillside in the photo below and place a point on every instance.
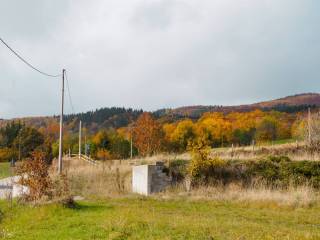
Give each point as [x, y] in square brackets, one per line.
[290, 104]
[116, 117]
[108, 131]
[106, 117]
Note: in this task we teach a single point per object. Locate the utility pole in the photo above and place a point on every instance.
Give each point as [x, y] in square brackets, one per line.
[232, 149]
[61, 125]
[80, 140]
[85, 143]
[309, 126]
[19, 156]
[131, 142]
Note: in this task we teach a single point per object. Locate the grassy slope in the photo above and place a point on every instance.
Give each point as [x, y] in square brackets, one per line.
[5, 170]
[155, 219]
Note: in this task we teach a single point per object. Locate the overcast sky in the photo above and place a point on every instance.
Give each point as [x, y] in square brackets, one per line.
[153, 54]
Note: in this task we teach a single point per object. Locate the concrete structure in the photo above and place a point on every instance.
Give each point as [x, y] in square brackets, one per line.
[10, 188]
[147, 179]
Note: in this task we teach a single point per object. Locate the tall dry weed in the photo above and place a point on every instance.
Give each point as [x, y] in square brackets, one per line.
[260, 194]
[103, 180]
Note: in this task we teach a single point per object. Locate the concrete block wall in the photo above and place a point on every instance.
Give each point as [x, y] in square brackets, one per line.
[148, 179]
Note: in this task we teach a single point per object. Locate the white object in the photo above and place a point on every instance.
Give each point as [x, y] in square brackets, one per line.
[10, 188]
[147, 179]
[141, 179]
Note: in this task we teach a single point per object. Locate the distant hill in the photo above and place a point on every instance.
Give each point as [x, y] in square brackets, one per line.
[295, 100]
[295, 103]
[113, 117]
[116, 117]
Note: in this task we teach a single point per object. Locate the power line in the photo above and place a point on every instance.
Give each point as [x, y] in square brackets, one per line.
[69, 93]
[26, 62]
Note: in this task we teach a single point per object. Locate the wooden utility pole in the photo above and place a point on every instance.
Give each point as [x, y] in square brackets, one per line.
[80, 140]
[19, 156]
[85, 143]
[309, 126]
[232, 149]
[131, 153]
[61, 126]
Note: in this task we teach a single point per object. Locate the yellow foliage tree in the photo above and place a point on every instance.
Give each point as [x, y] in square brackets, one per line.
[215, 128]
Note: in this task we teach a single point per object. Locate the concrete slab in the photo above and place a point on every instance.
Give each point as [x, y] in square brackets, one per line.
[148, 179]
[9, 187]
[141, 179]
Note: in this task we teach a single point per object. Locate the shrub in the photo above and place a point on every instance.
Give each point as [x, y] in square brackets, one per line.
[61, 191]
[203, 165]
[34, 174]
[6, 154]
[281, 171]
[177, 170]
[273, 171]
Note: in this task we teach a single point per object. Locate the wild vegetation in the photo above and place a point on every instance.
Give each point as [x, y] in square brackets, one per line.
[108, 132]
[110, 211]
[18, 141]
[255, 162]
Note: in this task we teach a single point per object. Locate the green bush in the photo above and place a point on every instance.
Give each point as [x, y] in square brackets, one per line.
[178, 169]
[275, 171]
[203, 167]
[280, 170]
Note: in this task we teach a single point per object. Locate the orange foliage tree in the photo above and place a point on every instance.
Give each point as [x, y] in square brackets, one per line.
[147, 135]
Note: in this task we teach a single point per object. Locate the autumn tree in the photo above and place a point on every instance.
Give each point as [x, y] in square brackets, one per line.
[119, 146]
[299, 128]
[308, 129]
[99, 141]
[51, 130]
[267, 129]
[103, 154]
[215, 128]
[29, 139]
[180, 135]
[9, 133]
[17, 139]
[169, 144]
[147, 135]
[243, 136]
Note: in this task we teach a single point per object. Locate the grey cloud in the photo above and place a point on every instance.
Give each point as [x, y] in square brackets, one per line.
[157, 53]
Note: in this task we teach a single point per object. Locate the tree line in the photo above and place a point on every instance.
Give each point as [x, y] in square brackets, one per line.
[149, 134]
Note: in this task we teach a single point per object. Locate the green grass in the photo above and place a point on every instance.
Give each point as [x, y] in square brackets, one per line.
[5, 170]
[147, 218]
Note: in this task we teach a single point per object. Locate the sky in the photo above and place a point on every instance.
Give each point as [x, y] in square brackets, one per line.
[154, 54]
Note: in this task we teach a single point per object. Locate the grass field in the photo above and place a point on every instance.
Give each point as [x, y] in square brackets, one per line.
[5, 170]
[111, 211]
[147, 218]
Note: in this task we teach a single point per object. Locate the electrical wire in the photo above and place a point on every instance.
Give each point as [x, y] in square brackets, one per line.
[69, 93]
[46, 74]
[26, 62]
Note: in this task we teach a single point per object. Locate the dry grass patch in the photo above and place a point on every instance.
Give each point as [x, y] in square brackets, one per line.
[103, 180]
[294, 151]
[302, 196]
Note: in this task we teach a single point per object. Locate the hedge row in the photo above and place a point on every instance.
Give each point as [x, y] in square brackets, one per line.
[277, 171]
